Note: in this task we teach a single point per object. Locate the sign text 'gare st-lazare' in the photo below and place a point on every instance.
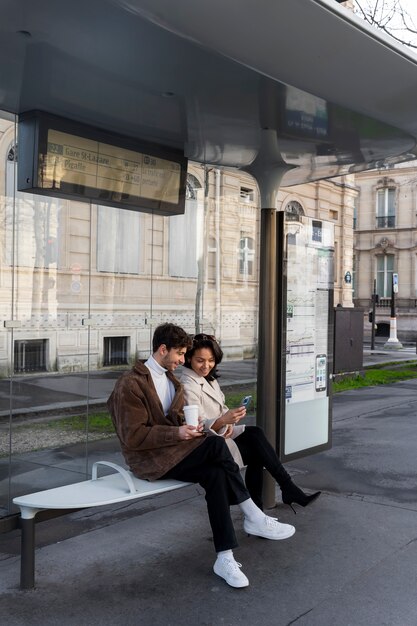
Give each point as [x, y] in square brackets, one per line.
[64, 158]
[81, 161]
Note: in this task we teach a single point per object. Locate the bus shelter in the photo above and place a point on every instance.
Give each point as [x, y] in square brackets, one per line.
[289, 92]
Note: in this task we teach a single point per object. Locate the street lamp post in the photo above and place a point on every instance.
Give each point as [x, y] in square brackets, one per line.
[374, 301]
[393, 342]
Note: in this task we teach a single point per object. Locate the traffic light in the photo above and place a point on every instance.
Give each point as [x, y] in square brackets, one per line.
[370, 317]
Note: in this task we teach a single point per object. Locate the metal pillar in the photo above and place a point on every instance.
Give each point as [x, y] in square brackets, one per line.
[27, 556]
[268, 170]
[267, 386]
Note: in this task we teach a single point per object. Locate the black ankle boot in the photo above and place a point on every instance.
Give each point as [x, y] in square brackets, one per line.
[291, 493]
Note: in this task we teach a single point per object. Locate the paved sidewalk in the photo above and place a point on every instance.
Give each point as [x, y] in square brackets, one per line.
[352, 561]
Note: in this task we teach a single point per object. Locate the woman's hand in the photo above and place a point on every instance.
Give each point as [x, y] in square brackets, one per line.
[228, 432]
[233, 416]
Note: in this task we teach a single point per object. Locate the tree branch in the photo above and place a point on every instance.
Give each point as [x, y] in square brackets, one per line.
[391, 17]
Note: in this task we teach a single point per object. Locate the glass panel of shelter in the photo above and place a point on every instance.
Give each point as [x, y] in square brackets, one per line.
[45, 362]
[83, 288]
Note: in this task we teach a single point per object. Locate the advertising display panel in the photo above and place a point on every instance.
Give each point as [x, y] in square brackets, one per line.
[307, 332]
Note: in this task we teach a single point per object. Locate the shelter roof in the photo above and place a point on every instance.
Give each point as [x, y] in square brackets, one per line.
[213, 78]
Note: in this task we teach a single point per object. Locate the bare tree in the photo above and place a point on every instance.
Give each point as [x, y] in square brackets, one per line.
[390, 16]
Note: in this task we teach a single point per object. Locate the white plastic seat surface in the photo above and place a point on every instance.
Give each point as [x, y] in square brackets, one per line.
[105, 490]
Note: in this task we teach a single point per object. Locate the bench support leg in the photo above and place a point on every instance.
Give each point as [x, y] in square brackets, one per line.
[27, 557]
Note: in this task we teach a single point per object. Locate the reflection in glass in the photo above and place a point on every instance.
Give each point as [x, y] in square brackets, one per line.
[118, 240]
[84, 287]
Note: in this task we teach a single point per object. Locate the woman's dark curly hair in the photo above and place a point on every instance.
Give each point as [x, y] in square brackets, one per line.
[205, 341]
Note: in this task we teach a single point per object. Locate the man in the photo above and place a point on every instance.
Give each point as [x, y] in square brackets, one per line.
[147, 411]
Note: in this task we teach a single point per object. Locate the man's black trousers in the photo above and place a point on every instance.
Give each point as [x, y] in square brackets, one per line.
[212, 466]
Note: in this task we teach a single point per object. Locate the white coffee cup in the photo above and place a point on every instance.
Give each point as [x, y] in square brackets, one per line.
[191, 414]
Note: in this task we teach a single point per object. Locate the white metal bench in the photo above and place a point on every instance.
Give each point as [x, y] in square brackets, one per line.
[111, 489]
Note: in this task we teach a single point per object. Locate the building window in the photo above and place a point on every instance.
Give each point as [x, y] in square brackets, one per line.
[385, 210]
[336, 262]
[355, 216]
[384, 271]
[186, 234]
[116, 350]
[211, 259]
[293, 211]
[247, 194]
[30, 355]
[246, 257]
[118, 240]
[317, 231]
[12, 154]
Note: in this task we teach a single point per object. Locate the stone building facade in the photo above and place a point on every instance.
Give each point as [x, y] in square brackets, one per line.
[386, 244]
[82, 285]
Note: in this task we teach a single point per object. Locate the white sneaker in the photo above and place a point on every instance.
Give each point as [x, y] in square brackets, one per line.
[268, 527]
[229, 569]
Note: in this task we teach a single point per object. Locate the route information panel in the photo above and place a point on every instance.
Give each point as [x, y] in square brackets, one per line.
[78, 161]
[309, 252]
[62, 158]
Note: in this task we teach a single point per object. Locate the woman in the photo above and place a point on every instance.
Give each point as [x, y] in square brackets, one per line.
[248, 444]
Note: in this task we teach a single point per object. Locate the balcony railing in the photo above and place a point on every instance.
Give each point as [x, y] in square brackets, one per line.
[387, 221]
[384, 303]
[401, 304]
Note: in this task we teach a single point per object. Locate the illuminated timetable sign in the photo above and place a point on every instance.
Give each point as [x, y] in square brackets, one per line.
[62, 158]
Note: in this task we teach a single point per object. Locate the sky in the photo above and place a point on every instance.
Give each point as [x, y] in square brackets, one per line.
[411, 8]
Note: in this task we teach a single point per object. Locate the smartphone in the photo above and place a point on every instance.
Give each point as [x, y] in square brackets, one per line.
[321, 373]
[246, 400]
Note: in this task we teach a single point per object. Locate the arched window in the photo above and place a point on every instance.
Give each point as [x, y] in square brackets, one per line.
[293, 211]
[186, 234]
[35, 221]
[12, 153]
[191, 186]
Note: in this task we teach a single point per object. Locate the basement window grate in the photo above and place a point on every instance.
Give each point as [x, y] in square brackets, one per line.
[115, 350]
[30, 355]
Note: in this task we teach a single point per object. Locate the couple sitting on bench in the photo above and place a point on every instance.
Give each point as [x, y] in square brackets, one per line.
[147, 411]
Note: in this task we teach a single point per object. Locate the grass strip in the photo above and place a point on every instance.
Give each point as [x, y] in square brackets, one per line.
[376, 376]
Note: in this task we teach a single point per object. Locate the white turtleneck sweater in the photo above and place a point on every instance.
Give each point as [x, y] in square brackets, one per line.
[164, 387]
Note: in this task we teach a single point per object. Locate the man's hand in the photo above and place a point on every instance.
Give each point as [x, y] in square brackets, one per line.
[189, 432]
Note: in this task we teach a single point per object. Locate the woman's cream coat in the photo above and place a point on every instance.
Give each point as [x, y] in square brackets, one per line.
[210, 400]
